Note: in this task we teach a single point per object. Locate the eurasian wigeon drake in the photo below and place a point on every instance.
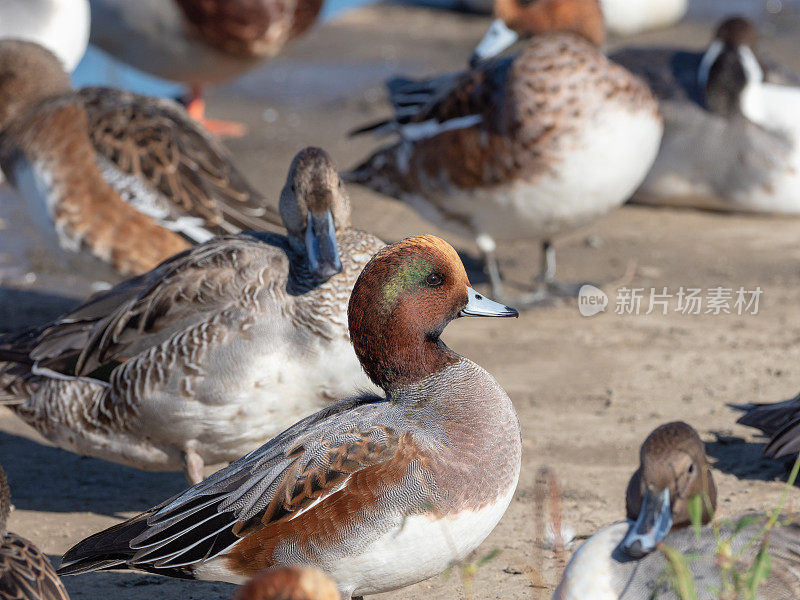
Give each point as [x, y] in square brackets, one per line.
[530, 146]
[61, 26]
[25, 571]
[199, 42]
[780, 421]
[732, 130]
[128, 178]
[289, 583]
[210, 353]
[378, 491]
[624, 560]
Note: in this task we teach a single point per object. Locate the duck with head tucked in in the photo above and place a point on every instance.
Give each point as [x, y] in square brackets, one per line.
[624, 560]
[732, 130]
[378, 491]
[218, 348]
[530, 146]
[129, 179]
[289, 583]
[25, 571]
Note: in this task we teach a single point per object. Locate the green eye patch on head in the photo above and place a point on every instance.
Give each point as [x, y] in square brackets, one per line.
[407, 275]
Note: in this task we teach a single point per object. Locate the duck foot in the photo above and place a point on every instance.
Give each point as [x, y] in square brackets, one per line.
[196, 107]
[193, 466]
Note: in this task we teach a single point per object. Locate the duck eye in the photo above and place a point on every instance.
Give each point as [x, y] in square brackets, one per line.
[691, 468]
[434, 280]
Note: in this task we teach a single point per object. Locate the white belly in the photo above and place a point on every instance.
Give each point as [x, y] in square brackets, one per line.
[623, 17]
[420, 548]
[598, 172]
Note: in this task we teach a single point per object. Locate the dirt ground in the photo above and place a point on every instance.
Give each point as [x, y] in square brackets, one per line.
[587, 390]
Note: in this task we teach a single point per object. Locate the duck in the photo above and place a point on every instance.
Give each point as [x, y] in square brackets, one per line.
[25, 571]
[218, 348]
[732, 134]
[780, 421]
[624, 560]
[289, 583]
[620, 16]
[379, 491]
[61, 26]
[529, 146]
[128, 180]
[199, 42]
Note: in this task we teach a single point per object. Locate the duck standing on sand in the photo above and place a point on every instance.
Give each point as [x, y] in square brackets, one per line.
[379, 492]
[732, 129]
[213, 351]
[622, 561]
[199, 41]
[128, 178]
[25, 571]
[530, 146]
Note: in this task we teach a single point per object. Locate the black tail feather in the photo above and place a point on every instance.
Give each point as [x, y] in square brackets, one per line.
[108, 549]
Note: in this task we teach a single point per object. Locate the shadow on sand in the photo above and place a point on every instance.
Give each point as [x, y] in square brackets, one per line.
[745, 460]
[44, 478]
[20, 309]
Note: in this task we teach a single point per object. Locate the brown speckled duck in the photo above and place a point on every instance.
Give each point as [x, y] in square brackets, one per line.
[215, 350]
[128, 178]
[529, 146]
[378, 491]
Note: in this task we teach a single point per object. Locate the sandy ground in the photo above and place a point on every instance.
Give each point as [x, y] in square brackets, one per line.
[588, 390]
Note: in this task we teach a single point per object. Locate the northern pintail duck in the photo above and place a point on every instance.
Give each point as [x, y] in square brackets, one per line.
[199, 41]
[378, 491]
[130, 179]
[530, 146]
[732, 130]
[61, 26]
[25, 571]
[622, 560]
[210, 353]
[780, 421]
[289, 583]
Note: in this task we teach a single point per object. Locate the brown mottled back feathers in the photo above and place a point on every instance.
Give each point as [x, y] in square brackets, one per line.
[531, 108]
[156, 141]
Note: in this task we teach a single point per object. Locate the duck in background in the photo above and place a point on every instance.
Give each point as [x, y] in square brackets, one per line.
[129, 179]
[25, 571]
[622, 561]
[61, 26]
[378, 491]
[732, 129]
[530, 146]
[199, 42]
[289, 583]
[622, 17]
[215, 350]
